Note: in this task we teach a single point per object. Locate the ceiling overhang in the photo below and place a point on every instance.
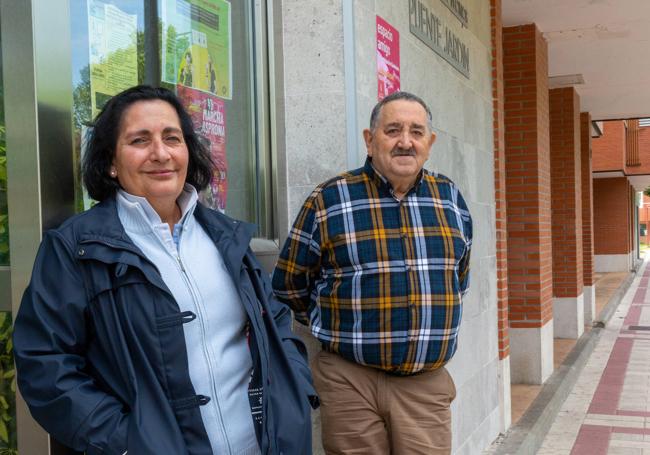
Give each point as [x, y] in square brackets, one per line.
[606, 42]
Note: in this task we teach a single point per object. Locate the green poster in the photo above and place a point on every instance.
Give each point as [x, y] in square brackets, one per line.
[197, 49]
[112, 39]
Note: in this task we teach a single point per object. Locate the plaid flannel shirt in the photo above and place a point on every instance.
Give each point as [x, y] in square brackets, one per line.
[380, 281]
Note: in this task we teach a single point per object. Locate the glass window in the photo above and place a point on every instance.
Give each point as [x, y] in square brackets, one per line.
[4, 215]
[107, 57]
[205, 56]
[8, 442]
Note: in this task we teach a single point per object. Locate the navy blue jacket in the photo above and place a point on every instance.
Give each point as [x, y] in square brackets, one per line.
[101, 354]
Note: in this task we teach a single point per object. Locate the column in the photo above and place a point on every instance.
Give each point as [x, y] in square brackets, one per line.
[528, 204]
[500, 208]
[566, 208]
[589, 289]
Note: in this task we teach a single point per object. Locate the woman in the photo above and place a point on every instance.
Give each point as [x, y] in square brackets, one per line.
[148, 325]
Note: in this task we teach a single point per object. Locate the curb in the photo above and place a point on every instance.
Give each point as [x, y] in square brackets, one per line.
[527, 435]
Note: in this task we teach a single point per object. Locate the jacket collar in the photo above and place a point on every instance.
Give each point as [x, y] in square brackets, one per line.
[231, 237]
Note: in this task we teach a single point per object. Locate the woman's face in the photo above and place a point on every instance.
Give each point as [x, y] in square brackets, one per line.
[151, 156]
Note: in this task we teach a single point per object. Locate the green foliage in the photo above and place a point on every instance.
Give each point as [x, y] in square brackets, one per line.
[647, 191]
[8, 443]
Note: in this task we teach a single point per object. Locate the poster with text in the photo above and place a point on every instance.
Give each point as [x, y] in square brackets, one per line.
[197, 45]
[387, 59]
[112, 43]
[209, 117]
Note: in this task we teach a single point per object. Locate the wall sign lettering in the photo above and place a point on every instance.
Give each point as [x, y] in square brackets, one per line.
[436, 34]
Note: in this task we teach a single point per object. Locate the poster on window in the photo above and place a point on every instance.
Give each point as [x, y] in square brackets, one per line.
[112, 39]
[208, 114]
[197, 45]
[387, 59]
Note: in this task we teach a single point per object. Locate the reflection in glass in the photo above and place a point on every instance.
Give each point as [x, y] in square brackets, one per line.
[107, 57]
[8, 442]
[206, 57]
[4, 216]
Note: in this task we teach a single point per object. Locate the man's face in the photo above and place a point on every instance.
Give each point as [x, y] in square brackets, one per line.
[400, 143]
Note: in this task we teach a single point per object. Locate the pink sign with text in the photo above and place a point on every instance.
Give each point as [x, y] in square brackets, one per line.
[208, 114]
[387, 59]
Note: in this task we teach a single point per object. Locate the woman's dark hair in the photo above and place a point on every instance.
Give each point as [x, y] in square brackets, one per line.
[105, 130]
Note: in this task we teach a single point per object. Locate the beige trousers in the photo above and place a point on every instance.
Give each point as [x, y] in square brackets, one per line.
[365, 411]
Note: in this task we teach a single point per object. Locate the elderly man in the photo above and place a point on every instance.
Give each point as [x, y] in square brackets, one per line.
[377, 263]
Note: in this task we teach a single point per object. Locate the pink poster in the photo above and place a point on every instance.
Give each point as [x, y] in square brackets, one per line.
[208, 114]
[387, 59]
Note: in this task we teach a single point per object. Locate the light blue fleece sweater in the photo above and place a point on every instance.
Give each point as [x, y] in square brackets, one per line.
[217, 349]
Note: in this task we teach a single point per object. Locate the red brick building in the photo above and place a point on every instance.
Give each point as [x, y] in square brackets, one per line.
[621, 165]
[567, 175]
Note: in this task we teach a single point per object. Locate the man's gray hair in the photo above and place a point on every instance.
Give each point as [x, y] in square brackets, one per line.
[374, 116]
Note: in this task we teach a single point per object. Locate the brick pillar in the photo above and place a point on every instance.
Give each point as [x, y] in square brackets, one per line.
[633, 222]
[501, 220]
[587, 219]
[528, 197]
[500, 177]
[611, 224]
[566, 208]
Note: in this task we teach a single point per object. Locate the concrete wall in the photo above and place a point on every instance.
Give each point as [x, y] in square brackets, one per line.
[316, 120]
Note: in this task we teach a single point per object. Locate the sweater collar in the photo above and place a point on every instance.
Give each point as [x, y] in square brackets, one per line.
[137, 214]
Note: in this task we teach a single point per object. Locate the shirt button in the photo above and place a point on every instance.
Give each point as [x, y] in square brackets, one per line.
[81, 252]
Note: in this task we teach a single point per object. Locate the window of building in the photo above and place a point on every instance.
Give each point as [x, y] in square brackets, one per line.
[201, 49]
[8, 435]
[4, 213]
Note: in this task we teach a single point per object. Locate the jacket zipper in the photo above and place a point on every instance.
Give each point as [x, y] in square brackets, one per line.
[206, 353]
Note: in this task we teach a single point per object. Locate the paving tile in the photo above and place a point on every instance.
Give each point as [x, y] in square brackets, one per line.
[624, 451]
[631, 444]
[627, 437]
[616, 418]
[621, 423]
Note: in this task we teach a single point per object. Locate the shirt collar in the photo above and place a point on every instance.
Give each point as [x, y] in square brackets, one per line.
[382, 182]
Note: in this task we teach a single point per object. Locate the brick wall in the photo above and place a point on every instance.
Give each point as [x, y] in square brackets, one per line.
[587, 200]
[611, 216]
[609, 149]
[500, 177]
[525, 75]
[566, 192]
[631, 199]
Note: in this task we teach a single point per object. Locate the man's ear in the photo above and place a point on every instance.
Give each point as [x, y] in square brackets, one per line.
[367, 137]
[432, 139]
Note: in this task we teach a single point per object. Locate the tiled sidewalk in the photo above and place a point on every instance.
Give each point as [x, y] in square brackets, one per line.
[608, 410]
